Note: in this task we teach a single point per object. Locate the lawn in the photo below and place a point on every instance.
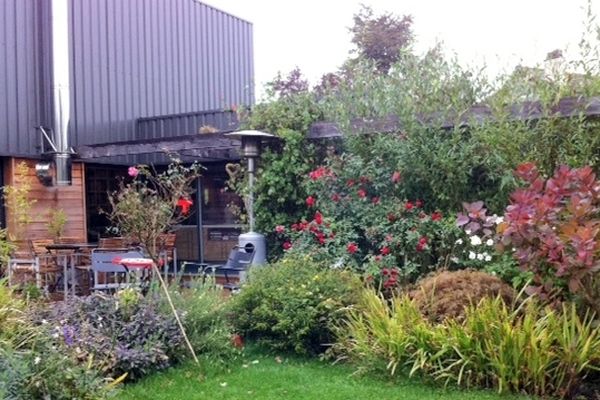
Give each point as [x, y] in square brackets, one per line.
[260, 376]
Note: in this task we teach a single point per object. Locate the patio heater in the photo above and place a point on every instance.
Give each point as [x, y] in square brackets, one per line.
[250, 149]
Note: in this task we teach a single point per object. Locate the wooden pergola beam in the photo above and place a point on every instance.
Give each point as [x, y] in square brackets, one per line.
[207, 145]
[526, 111]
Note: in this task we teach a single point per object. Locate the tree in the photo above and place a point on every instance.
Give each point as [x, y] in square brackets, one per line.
[381, 38]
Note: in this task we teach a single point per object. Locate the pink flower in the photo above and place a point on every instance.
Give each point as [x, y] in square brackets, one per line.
[362, 193]
[280, 229]
[310, 201]
[408, 205]
[375, 200]
[396, 177]
[319, 173]
[385, 251]
[287, 245]
[422, 243]
[318, 218]
[436, 216]
[133, 171]
[352, 248]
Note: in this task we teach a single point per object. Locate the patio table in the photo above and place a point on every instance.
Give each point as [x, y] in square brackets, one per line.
[72, 248]
[140, 265]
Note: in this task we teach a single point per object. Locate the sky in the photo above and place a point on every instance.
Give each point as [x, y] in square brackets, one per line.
[313, 34]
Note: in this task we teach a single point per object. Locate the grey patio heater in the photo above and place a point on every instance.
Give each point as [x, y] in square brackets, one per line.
[250, 149]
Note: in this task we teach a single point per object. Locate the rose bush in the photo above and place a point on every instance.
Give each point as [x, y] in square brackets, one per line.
[361, 219]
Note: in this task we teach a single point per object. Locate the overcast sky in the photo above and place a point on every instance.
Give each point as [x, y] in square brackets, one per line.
[313, 34]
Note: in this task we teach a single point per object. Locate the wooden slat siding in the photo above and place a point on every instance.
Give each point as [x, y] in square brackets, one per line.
[70, 198]
[527, 111]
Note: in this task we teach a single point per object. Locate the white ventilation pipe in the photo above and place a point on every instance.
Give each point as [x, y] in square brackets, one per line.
[61, 91]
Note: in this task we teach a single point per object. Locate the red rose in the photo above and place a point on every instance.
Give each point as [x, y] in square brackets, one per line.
[310, 201]
[396, 177]
[362, 193]
[280, 228]
[385, 271]
[287, 245]
[318, 218]
[352, 248]
[408, 205]
[436, 216]
[385, 251]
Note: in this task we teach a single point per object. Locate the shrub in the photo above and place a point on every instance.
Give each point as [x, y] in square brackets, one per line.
[447, 294]
[292, 304]
[532, 349]
[554, 227]
[359, 213]
[204, 315]
[120, 334]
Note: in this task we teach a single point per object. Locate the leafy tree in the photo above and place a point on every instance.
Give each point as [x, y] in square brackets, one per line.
[381, 38]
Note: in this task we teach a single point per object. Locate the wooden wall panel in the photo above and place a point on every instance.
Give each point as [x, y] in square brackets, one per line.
[69, 198]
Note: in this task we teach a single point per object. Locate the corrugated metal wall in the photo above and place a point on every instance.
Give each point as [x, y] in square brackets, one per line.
[130, 59]
[20, 79]
[145, 58]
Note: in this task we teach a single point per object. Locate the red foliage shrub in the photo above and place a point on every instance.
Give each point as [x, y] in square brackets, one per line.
[554, 227]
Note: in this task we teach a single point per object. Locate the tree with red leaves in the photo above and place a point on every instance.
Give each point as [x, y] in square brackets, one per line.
[381, 38]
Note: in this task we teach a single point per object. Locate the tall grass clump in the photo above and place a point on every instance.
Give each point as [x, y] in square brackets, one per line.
[511, 348]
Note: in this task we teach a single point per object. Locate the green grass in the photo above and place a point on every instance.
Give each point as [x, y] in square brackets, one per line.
[260, 376]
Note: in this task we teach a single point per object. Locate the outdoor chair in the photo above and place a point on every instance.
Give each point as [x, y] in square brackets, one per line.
[112, 243]
[107, 274]
[238, 261]
[168, 252]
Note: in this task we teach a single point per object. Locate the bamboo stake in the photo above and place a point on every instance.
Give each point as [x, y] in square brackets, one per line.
[181, 328]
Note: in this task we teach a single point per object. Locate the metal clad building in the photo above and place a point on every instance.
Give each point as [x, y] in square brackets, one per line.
[130, 60]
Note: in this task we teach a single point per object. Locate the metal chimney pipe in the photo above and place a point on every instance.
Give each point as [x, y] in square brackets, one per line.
[61, 91]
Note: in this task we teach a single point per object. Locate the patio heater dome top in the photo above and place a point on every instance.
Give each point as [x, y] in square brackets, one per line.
[251, 141]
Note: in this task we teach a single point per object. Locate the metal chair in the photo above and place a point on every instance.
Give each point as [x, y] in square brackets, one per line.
[238, 261]
[104, 266]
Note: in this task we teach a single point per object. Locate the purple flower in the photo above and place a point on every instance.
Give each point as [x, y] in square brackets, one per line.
[69, 335]
[133, 171]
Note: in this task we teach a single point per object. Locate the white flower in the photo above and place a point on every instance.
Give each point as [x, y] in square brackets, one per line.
[55, 335]
[499, 220]
[454, 259]
[99, 318]
[489, 242]
[480, 256]
[459, 241]
[468, 231]
[44, 322]
[37, 360]
[475, 240]
[488, 258]
[471, 255]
